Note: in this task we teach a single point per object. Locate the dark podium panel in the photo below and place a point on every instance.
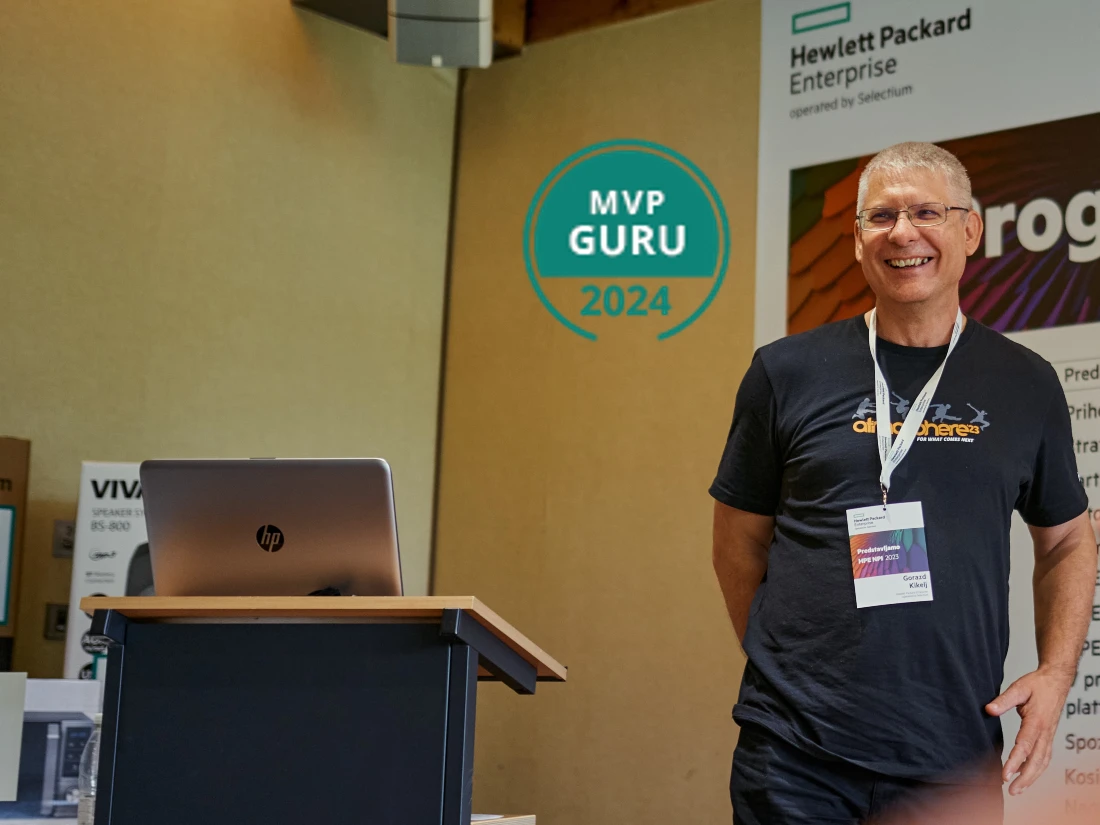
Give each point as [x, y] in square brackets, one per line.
[360, 718]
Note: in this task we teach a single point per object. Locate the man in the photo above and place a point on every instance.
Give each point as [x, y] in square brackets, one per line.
[864, 560]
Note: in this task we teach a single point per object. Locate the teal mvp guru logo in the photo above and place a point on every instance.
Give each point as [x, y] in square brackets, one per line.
[626, 237]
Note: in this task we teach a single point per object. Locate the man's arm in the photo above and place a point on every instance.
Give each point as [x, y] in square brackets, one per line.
[740, 555]
[1064, 583]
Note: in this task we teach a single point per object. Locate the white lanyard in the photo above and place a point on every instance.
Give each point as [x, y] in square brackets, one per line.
[890, 456]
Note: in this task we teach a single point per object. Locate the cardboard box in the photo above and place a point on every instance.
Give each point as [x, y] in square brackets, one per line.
[15, 463]
[110, 556]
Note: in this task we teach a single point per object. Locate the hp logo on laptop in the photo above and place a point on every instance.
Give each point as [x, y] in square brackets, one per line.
[270, 538]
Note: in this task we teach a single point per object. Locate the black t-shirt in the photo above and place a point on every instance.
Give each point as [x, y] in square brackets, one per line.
[899, 689]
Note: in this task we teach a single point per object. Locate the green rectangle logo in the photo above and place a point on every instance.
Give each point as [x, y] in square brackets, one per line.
[808, 21]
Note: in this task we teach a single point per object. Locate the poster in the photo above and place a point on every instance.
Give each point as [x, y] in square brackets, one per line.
[110, 556]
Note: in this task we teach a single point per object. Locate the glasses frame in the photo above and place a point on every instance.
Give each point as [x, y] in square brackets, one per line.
[899, 212]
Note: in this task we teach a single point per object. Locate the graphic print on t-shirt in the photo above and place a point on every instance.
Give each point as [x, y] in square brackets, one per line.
[942, 425]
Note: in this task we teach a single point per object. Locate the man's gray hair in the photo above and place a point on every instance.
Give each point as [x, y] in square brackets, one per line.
[903, 156]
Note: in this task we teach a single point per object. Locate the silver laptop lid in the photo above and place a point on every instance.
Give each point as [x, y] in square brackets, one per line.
[271, 527]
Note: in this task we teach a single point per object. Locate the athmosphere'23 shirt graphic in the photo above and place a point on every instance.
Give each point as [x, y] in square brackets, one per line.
[939, 425]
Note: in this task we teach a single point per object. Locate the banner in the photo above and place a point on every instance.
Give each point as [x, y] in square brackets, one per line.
[110, 556]
[1011, 90]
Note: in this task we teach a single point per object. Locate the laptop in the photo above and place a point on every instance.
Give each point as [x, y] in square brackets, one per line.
[271, 527]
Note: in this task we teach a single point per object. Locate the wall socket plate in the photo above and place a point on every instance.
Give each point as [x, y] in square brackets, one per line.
[63, 534]
[57, 621]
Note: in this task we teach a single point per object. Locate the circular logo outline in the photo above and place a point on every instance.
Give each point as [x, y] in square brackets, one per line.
[277, 538]
[601, 148]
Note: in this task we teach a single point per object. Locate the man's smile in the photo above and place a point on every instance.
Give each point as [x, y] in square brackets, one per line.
[907, 263]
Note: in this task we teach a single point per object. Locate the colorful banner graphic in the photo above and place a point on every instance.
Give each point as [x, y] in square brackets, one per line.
[1038, 187]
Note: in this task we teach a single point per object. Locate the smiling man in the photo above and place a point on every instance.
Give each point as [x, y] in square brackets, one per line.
[861, 535]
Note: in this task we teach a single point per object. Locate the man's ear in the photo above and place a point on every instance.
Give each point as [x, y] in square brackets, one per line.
[859, 241]
[973, 229]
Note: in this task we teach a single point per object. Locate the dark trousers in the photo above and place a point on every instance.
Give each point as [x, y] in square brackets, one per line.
[774, 783]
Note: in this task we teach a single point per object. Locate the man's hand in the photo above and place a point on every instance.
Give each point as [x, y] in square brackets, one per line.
[1064, 584]
[1039, 697]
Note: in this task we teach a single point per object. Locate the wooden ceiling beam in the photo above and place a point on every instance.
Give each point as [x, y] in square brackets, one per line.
[553, 18]
[509, 25]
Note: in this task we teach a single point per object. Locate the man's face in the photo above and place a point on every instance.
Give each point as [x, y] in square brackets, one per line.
[916, 264]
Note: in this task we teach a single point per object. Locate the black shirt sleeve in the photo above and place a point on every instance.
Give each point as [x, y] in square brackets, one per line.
[1053, 494]
[750, 472]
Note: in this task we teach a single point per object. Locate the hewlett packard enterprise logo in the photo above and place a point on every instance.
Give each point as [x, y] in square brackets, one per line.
[814, 19]
[846, 60]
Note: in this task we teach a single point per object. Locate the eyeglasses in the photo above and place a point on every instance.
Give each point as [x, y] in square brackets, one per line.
[920, 214]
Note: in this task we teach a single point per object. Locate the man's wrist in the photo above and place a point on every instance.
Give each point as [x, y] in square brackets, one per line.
[1066, 671]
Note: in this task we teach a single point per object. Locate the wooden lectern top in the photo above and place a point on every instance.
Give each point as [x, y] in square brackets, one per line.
[169, 608]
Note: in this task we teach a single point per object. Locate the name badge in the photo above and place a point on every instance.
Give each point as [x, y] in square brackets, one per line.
[889, 554]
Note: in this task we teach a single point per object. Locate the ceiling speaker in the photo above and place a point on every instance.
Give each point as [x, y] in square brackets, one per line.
[442, 33]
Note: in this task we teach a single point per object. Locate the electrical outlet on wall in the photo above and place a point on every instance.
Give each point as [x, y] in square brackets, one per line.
[63, 532]
[57, 621]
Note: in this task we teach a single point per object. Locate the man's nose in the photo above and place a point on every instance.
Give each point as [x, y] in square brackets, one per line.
[903, 231]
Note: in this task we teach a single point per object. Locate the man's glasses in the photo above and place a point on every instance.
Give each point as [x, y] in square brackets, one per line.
[920, 214]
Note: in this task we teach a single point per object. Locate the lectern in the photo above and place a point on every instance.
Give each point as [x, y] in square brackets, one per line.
[317, 709]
